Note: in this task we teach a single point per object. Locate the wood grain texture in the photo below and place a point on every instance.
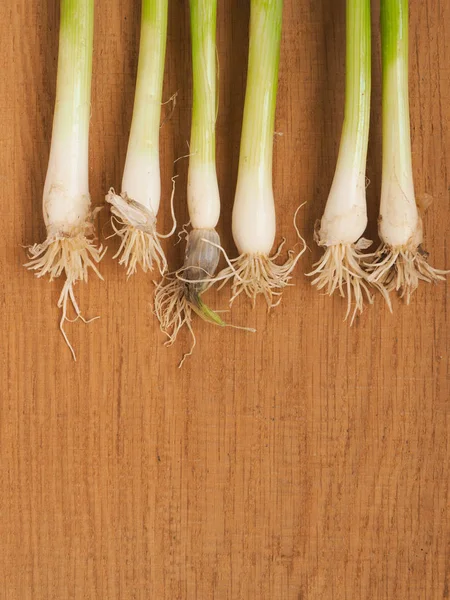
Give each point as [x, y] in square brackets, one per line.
[309, 461]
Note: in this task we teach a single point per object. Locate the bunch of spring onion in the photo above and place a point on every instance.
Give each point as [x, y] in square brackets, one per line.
[134, 210]
[254, 271]
[69, 249]
[179, 293]
[344, 220]
[400, 262]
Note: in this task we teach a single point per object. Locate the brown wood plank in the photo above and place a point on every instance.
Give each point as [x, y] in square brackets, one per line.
[309, 461]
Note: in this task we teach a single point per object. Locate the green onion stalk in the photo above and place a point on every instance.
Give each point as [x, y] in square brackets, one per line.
[134, 211]
[180, 293]
[255, 271]
[70, 248]
[400, 262]
[341, 268]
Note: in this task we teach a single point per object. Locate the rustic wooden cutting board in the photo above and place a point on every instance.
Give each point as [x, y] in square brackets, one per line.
[309, 461]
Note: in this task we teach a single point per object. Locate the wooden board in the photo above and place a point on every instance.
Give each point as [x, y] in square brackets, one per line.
[309, 461]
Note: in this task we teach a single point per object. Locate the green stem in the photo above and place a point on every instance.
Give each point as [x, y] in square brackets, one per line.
[262, 82]
[67, 179]
[355, 131]
[206, 313]
[73, 90]
[396, 120]
[204, 58]
[144, 134]
[399, 223]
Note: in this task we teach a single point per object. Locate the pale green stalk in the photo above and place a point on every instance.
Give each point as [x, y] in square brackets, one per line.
[398, 205]
[68, 162]
[262, 83]
[254, 221]
[345, 216]
[355, 131]
[143, 144]
[203, 191]
[73, 89]
[396, 120]
[204, 102]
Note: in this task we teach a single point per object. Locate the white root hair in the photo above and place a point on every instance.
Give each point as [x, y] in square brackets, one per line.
[401, 269]
[340, 269]
[176, 298]
[173, 310]
[258, 273]
[71, 256]
[255, 274]
[135, 224]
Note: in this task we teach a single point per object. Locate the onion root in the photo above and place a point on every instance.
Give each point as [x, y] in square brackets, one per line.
[136, 226]
[340, 269]
[71, 256]
[401, 269]
[254, 274]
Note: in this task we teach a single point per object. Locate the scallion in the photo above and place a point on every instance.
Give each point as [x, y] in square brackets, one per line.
[344, 220]
[180, 292]
[400, 262]
[253, 223]
[69, 249]
[134, 210]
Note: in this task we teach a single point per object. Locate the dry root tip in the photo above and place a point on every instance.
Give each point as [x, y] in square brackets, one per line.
[179, 293]
[256, 274]
[401, 270]
[175, 300]
[136, 226]
[172, 309]
[71, 256]
[340, 269]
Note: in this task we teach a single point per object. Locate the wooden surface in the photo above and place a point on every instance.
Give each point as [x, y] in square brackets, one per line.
[309, 461]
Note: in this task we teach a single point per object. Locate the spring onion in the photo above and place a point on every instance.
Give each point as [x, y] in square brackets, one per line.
[400, 262]
[344, 220]
[69, 248]
[180, 293]
[254, 271]
[134, 210]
